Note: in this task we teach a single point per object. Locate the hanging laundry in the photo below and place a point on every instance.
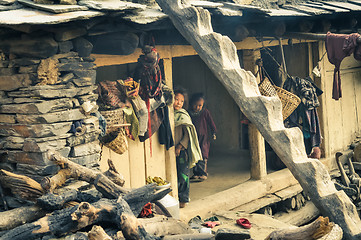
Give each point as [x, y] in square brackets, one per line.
[339, 46]
[165, 131]
[306, 116]
[131, 118]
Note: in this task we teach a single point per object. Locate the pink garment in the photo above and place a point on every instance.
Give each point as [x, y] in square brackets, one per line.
[339, 46]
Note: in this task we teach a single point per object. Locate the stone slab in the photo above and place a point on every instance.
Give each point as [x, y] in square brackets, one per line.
[36, 131]
[13, 82]
[34, 17]
[27, 100]
[31, 158]
[33, 146]
[38, 108]
[27, 169]
[53, 93]
[53, 8]
[7, 71]
[83, 139]
[110, 5]
[83, 46]
[85, 149]
[89, 160]
[23, 62]
[63, 116]
[65, 34]
[65, 46]
[84, 98]
[28, 69]
[232, 234]
[11, 143]
[75, 66]
[39, 47]
[6, 118]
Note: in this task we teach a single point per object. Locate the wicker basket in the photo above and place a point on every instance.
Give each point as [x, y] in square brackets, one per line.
[289, 100]
[266, 88]
[119, 144]
[113, 118]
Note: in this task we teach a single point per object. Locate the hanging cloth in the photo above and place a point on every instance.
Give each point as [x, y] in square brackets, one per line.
[149, 74]
[339, 46]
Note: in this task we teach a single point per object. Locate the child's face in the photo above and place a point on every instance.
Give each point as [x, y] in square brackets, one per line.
[178, 101]
[197, 106]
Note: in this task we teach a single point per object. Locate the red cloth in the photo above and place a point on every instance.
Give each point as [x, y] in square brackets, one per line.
[339, 46]
[211, 224]
[146, 211]
[243, 222]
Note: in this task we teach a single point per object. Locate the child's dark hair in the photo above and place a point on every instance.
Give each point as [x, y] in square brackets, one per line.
[196, 97]
[180, 90]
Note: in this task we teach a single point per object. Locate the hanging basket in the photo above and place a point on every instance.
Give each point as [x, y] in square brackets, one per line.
[114, 118]
[117, 142]
[289, 100]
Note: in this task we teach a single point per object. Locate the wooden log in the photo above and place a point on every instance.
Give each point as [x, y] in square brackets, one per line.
[114, 175]
[314, 230]
[220, 55]
[98, 233]
[72, 219]
[18, 216]
[74, 170]
[21, 186]
[303, 216]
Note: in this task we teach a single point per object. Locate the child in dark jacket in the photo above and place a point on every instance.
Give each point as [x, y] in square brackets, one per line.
[206, 129]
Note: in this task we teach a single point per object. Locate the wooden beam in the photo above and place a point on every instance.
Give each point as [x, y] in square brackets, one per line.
[170, 158]
[256, 141]
[220, 55]
[169, 51]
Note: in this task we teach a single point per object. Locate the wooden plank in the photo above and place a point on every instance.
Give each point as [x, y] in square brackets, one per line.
[220, 54]
[286, 13]
[155, 162]
[136, 163]
[306, 9]
[302, 216]
[167, 51]
[170, 158]
[53, 8]
[326, 7]
[289, 192]
[256, 141]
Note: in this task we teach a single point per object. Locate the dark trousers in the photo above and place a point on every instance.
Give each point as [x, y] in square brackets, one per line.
[183, 176]
[201, 168]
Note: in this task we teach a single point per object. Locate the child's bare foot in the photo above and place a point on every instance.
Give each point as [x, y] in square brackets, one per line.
[203, 178]
[195, 177]
[182, 204]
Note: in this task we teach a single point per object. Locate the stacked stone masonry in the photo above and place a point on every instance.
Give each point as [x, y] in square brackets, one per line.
[43, 83]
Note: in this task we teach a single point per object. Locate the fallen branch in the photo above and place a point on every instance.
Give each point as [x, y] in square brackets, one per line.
[72, 219]
[98, 233]
[21, 186]
[315, 230]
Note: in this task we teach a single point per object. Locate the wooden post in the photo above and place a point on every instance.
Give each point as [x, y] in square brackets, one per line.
[170, 159]
[256, 141]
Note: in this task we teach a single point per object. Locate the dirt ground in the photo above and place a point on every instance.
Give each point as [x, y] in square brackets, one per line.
[225, 170]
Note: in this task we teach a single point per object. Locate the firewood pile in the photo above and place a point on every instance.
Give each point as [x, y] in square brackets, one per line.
[54, 210]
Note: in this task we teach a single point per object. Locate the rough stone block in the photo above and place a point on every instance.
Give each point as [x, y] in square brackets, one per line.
[4, 64]
[35, 131]
[85, 149]
[27, 169]
[32, 47]
[6, 118]
[72, 66]
[38, 108]
[83, 139]
[9, 83]
[84, 98]
[89, 160]
[53, 93]
[232, 234]
[83, 47]
[66, 78]
[23, 62]
[27, 100]
[28, 69]
[31, 158]
[7, 71]
[68, 115]
[64, 34]
[91, 124]
[65, 47]
[33, 146]
[11, 143]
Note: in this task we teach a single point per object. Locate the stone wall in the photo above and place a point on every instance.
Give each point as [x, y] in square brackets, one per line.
[43, 83]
